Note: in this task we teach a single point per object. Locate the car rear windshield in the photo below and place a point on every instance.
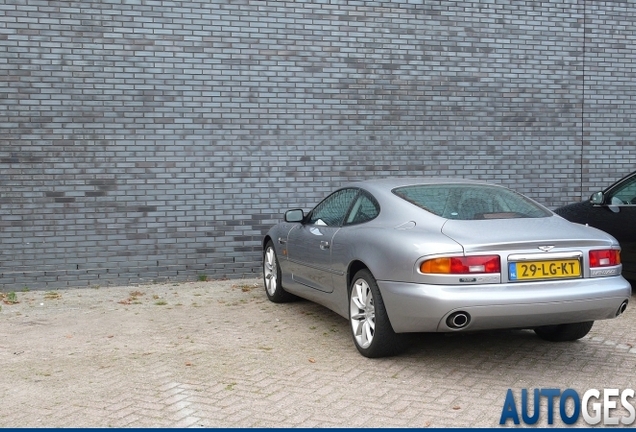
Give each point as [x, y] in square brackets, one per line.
[471, 202]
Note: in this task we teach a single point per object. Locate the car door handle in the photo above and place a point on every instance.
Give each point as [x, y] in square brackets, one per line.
[324, 245]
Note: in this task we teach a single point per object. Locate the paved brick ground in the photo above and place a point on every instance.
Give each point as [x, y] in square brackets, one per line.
[210, 354]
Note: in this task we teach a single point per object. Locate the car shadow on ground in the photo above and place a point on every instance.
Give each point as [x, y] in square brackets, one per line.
[497, 340]
[488, 350]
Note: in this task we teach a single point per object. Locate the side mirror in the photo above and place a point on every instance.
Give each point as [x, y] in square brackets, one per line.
[597, 198]
[296, 215]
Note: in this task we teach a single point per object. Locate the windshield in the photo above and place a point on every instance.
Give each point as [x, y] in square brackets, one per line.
[471, 202]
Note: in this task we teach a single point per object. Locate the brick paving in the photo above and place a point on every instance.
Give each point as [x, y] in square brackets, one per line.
[208, 354]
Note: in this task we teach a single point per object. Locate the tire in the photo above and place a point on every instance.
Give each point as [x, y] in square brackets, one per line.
[272, 277]
[371, 329]
[564, 332]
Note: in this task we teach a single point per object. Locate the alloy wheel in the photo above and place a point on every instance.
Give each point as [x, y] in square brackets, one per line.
[270, 271]
[362, 313]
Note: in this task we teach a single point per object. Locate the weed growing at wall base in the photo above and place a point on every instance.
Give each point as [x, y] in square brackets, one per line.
[9, 298]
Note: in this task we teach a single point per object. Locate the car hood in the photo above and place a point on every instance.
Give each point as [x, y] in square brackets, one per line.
[497, 234]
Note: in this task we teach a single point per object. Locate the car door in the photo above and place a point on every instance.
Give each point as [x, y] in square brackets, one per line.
[617, 216]
[346, 242]
[309, 243]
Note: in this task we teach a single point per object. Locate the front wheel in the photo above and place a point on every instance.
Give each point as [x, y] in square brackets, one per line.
[371, 329]
[564, 332]
[272, 277]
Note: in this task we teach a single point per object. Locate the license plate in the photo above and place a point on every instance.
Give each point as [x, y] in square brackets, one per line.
[559, 269]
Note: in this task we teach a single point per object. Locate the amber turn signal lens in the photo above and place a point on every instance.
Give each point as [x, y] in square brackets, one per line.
[436, 265]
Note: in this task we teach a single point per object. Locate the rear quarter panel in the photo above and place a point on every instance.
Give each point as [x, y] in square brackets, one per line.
[389, 253]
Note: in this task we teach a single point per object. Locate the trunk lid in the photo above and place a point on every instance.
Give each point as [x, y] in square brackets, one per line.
[523, 234]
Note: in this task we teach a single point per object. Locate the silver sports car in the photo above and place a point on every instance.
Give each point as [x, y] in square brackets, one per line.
[395, 256]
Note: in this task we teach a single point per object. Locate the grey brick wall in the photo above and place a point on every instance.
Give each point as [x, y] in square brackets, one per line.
[145, 140]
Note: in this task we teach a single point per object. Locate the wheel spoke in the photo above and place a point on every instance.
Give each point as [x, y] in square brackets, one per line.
[368, 331]
[270, 259]
[363, 290]
[357, 303]
[272, 284]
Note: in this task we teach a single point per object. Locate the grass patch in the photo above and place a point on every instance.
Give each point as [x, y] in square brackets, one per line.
[52, 295]
[246, 287]
[9, 298]
[133, 298]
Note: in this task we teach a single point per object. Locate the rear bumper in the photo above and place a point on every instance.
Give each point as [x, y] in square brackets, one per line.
[416, 307]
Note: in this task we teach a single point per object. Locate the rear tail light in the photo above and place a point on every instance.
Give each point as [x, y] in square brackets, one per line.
[462, 265]
[605, 258]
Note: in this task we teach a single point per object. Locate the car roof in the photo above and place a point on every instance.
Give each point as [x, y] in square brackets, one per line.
[619, 182]
[383, 185]
[400, 209]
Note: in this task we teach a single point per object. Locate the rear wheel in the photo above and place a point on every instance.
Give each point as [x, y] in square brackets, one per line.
[272, 277]
[564, 332]
[371, 329]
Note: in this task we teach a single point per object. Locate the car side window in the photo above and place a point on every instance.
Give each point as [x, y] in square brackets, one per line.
[332, 210]
[364, 209]
[626, 194]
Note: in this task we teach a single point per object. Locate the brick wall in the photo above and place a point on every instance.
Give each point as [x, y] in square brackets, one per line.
[145, 140]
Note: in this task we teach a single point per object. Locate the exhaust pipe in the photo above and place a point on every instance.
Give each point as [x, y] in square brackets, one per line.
[458, 320]
[622, 308]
